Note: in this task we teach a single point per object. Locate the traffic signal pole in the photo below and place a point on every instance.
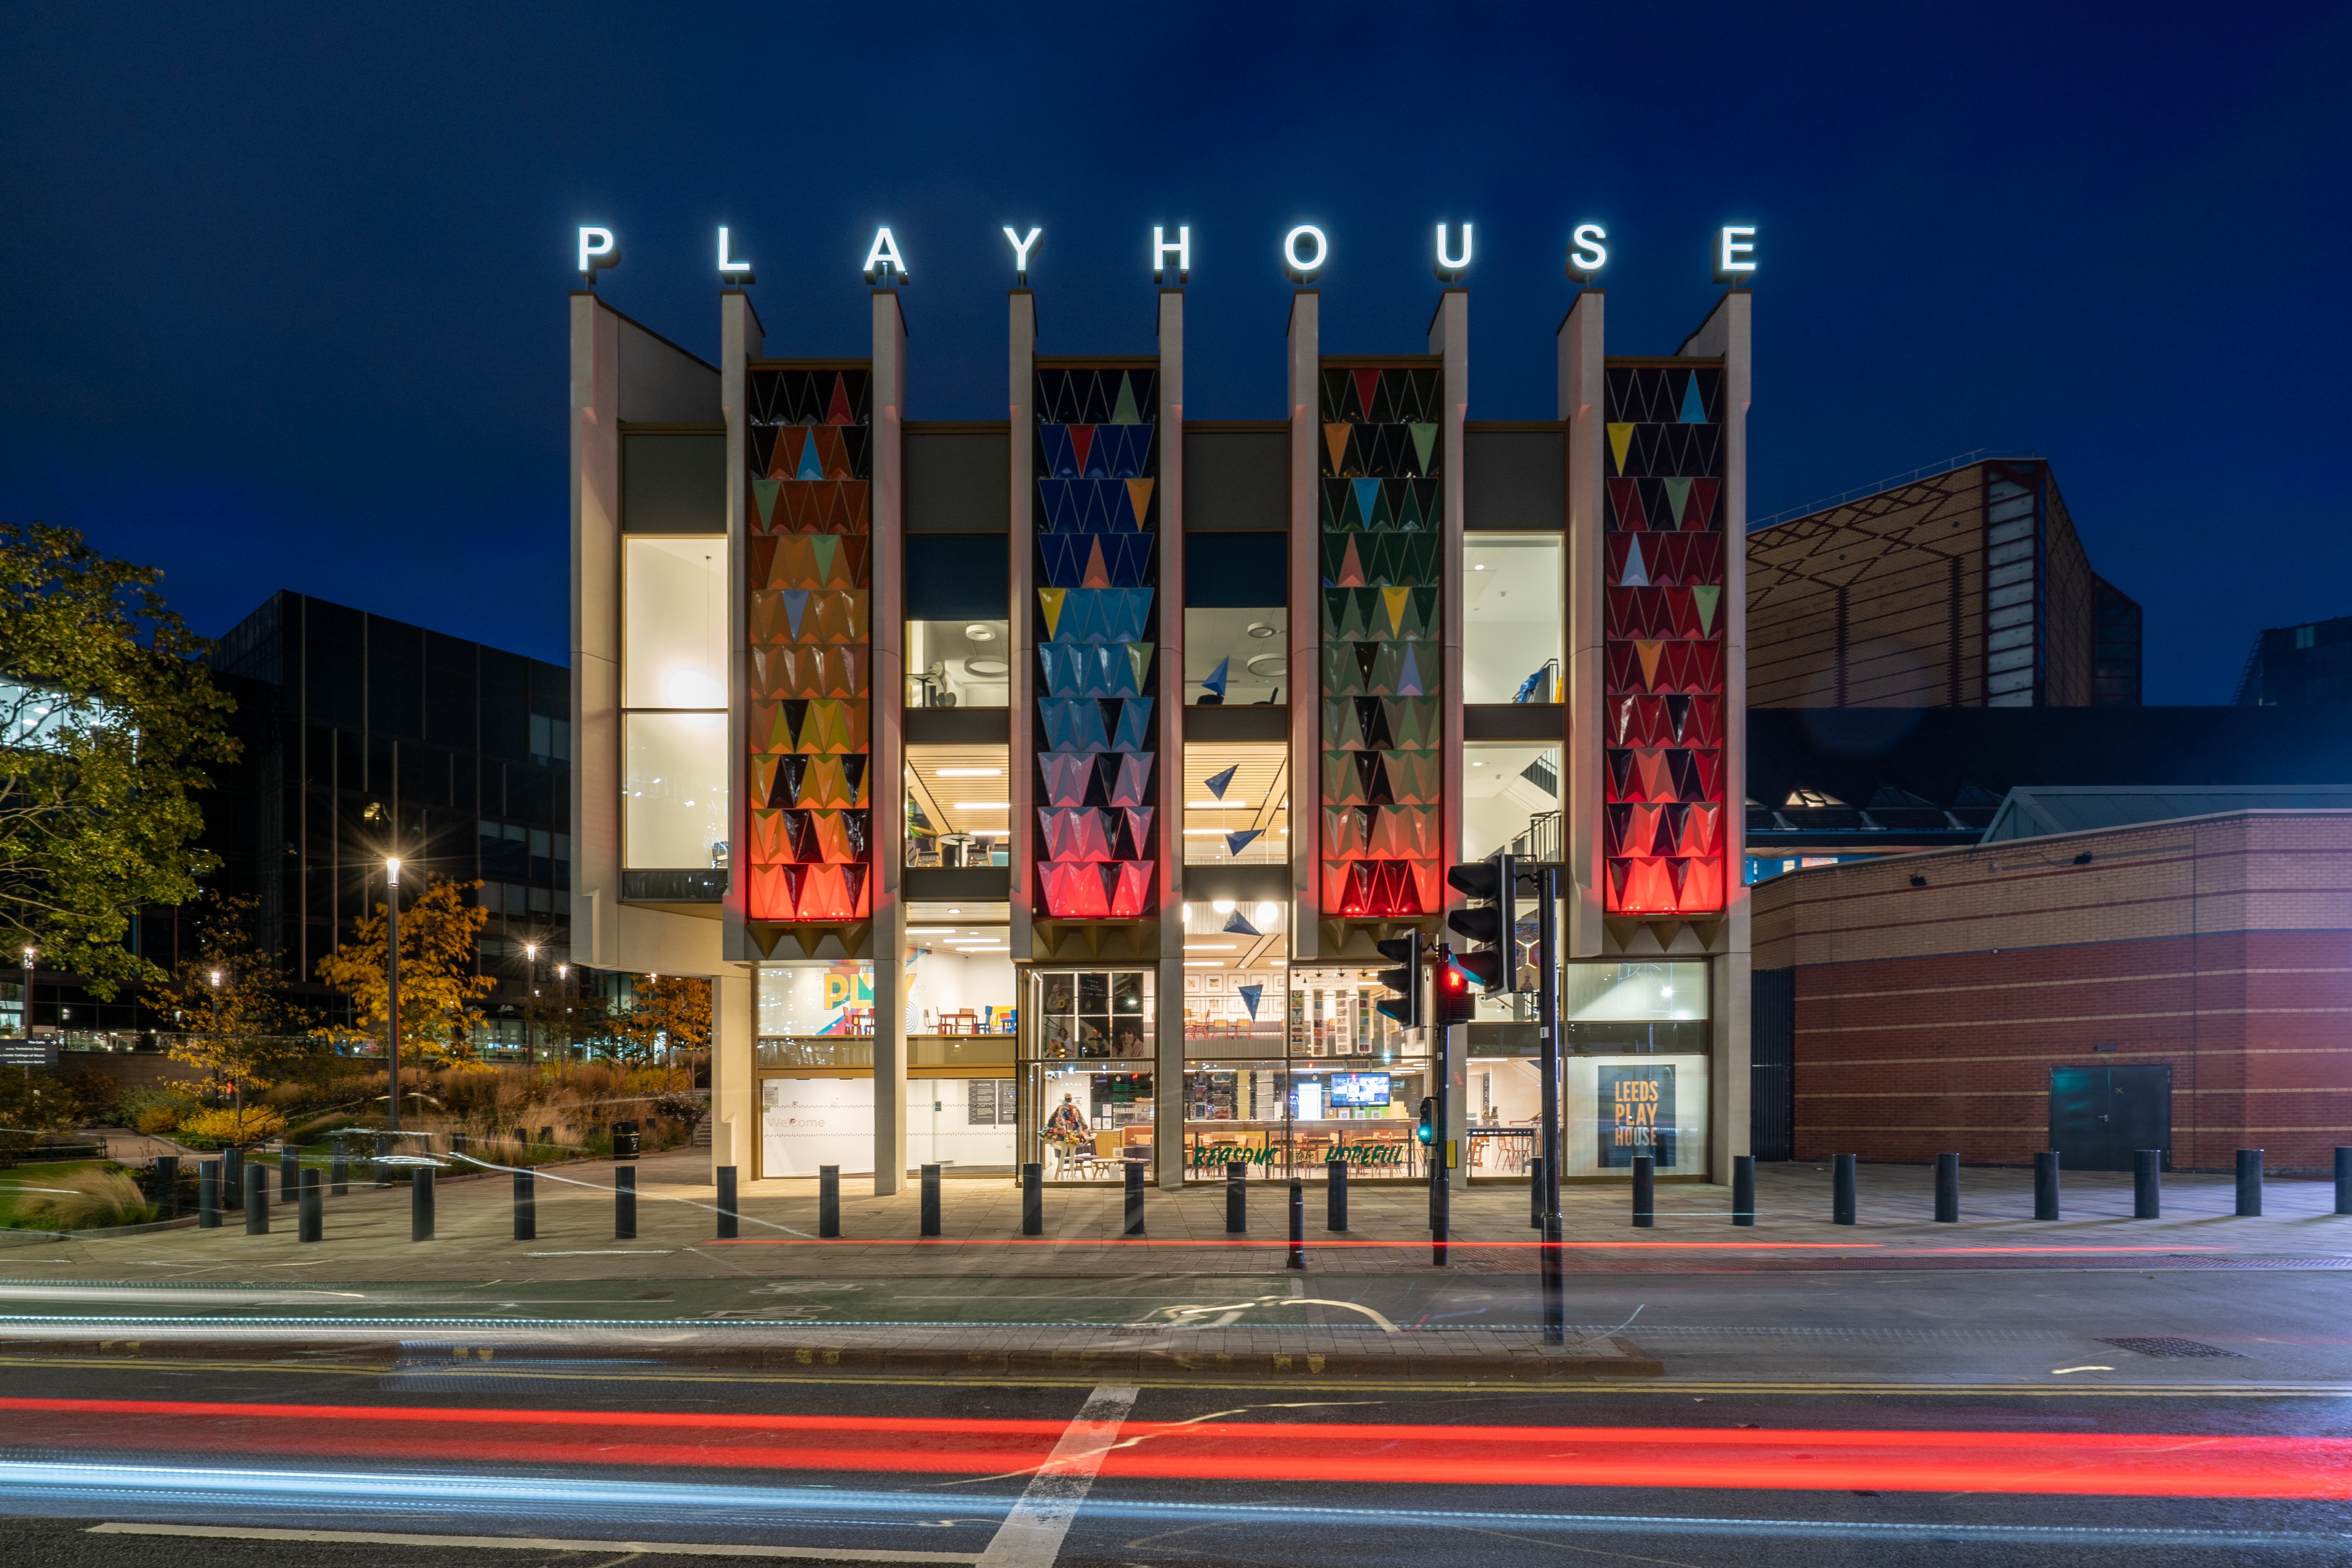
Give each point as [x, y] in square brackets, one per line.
[1551, 1254]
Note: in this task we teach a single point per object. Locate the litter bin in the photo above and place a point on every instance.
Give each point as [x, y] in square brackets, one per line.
[625, 1140]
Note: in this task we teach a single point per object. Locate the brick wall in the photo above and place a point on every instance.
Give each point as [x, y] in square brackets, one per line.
[1927, 1018]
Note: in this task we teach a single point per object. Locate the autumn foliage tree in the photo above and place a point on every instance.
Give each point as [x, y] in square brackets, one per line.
[439, 983]
[229, 1003]
[672, 1012]
[107, 719]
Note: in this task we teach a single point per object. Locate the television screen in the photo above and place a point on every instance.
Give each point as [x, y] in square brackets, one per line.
[1360, 1089]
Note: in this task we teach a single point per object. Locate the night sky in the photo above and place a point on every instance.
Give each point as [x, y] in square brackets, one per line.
[286, 288]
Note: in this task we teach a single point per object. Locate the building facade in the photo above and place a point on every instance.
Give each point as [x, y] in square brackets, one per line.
[2298, 667]
[1037, 789]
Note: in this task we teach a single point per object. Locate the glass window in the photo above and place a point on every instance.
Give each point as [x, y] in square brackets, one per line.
[1514, 617]
[1236, 803]
[1510, 799]
[1088, 1048]
[1245, 650]
[958, 806]
[673, 789]
[960, 982]
[1620, 1105]
[673, 626]
[958, 664]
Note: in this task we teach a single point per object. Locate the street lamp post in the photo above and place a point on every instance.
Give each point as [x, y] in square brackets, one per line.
[237, 1084]
[563, 984]
[392, 984]
[29, 953]
[531, 1009]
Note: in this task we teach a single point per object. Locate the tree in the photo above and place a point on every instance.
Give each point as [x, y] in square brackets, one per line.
[672, 1010]
[229, 1003]
[107, 719]
[438, 976]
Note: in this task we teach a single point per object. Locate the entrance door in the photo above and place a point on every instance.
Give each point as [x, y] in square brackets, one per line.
[2100, 1116]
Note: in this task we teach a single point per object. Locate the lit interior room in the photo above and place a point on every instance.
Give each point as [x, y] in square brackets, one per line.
[1236, 803]
[1514, 608]
[958, 806]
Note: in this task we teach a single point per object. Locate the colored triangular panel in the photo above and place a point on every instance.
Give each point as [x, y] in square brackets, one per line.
[1082, 442]
[1236, 923]
[1705, 600]
[1621, 436]
[837, 411]
[1050, 601]
[811, 463]
[1219, 783]
[1139, 662]
[824, 549]
[764, 496]
[1334, 438]
[1351, 568]
[1648, 651]
[1138, 494]
[1096, 575]
[1693, 411]
[1368, 383]
[795, 608]
[1424, 441]
[1123, 411]
[1677, 500]
[1249, 996]
[1397, 600]
[1409, 676]
[1636, 575]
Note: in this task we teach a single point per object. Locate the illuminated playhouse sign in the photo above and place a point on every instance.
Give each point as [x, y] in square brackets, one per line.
[1303, 253]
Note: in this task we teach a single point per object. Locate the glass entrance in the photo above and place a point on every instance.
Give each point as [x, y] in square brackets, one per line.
[1086, 1071]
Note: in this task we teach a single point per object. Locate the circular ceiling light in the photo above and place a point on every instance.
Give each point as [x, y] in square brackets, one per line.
[980, 631]
[1269, 664]
[1260, 629]
[980, 669]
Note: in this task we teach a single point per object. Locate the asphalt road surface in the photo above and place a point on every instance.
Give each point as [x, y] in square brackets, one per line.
[1781, 1465]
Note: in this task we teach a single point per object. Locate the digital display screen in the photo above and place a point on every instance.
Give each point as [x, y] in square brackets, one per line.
[1360, 1089]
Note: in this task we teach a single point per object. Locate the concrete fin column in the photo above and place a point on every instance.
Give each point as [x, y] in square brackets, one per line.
[1449, 338]
[886, 774]
[1021, 766]
[1725, 335]
[741, 340]
[1305, 627]
[734, 1097]
[595, 628]
[1168, 1099]
[1584, 409]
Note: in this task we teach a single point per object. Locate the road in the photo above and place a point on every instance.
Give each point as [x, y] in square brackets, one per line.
[1969, 1416]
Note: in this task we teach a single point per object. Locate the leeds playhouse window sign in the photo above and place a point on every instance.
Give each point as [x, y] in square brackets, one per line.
[1303, 252]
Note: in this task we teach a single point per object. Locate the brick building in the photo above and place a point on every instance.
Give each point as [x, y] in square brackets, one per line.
[2183, 982]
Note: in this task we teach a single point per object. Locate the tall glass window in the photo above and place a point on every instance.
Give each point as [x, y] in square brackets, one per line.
[958, 806]
[1510, 800]
[958, 664]
[1236, 658]
[1514, 617]
[1236, 803]
[1087, 1071]
[674, 698]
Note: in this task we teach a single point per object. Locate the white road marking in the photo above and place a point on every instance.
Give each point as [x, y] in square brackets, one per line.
[535, 1543]
[1031, 1536]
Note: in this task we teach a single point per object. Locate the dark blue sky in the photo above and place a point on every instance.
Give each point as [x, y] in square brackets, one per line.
[286, 286]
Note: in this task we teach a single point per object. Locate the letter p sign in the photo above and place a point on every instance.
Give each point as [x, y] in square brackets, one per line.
[598, 250]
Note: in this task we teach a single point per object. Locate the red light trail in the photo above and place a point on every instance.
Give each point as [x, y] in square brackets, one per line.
[1794, 1459]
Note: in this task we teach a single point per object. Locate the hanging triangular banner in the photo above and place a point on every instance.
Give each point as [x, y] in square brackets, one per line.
[1237, 924]
[1216, 684]
[1219, 783]
[1637, 573]
[1050, 601]
[1693, 411]
[1249, 996]
[1619, 437]
[1705, 600]
[1123, 411]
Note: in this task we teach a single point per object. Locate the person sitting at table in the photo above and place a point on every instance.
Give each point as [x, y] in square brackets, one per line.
[1066, 1131]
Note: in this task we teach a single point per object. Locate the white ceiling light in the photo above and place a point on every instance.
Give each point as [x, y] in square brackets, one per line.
[970, 773]
[980, 631]
[983, 806]
[1268, 913]
[1223, 906]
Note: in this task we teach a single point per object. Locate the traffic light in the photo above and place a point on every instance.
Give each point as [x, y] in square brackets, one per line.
[1426, 1133]
[1455, 1003]
[1404, 1007]
[1490, 923]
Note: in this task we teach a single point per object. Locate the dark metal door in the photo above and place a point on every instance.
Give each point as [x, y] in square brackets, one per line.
[2140, 1114]
[2078, 1118]
[1772, 1058]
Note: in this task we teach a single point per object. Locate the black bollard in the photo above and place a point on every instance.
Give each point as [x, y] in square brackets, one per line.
[1335, 1194]
[339, 1170]
[2343, 1180]
[167, 1185]
[290, 1172]
[2249, 1184]
[310, 1211]
[420, 1204]
[232, 1179]
[1134, 1197]
[725, 1175]
[1948, 1189]
[208, 1209]
[828, 1201]
[1646, 1191]
[2147, 1183]
[1236, 1198]
[1297, 1224]
[526, 1206]
[257, 1199]
[1743, 1189]
[2045, 1184]
[1033, 1199]
[625, 1203]
[930, 1200]
[376, 1167]
[1841, 1200]
[1535, 1193]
